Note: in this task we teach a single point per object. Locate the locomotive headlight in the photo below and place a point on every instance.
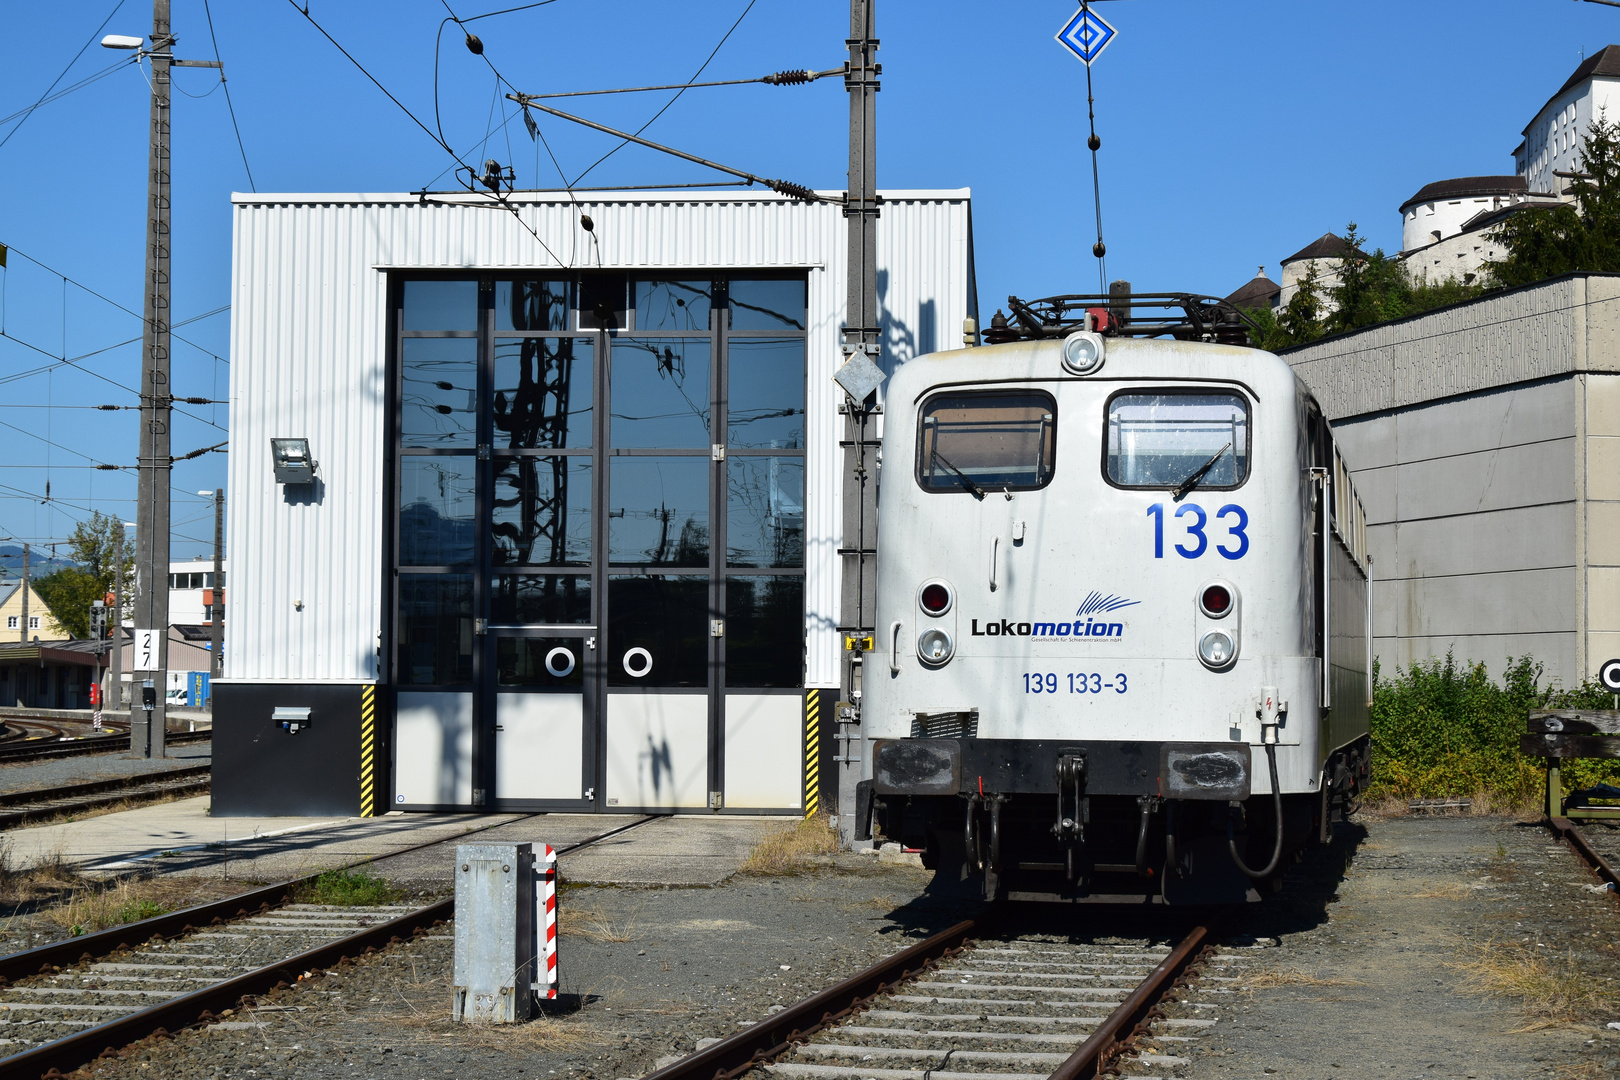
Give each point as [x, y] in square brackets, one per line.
[1216, 649]
[934, 646]
[1083, 352]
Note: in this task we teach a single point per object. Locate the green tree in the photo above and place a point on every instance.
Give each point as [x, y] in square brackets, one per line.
[1301, 318]
[1372, 288]
[95, 549]
[70, 591]
[1545, 242]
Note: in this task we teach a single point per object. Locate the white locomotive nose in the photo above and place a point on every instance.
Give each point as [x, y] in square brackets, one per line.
[934, 646]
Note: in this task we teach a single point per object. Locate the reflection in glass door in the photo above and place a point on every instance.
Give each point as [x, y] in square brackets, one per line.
[539, 692]
[599, 543]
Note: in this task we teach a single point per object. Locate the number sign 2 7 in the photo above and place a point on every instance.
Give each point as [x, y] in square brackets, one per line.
[1237, 535]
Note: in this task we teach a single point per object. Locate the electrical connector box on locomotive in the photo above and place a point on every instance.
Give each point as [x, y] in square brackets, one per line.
[1124, 609]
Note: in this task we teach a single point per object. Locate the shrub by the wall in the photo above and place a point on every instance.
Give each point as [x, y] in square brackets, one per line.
[1443, 728]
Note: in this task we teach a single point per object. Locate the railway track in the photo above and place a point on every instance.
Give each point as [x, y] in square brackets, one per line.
[65, 1004]
[1599, 850]
[22, 807]
[972, 1003]
[43, 748]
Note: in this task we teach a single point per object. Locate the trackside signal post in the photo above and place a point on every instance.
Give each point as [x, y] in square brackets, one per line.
[859, 376]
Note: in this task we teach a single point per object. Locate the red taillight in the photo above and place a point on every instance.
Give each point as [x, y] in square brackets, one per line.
[1216, 600]
[935, 598]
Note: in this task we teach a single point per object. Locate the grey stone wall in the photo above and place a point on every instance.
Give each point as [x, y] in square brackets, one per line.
[1485, 444]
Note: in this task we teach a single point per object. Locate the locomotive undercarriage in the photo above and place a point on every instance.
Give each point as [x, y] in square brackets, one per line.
[1067, 833]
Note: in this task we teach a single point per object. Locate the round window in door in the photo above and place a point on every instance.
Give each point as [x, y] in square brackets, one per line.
[539, 663]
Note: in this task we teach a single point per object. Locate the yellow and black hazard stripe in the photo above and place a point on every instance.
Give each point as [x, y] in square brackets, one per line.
[368, 751]
[812, 752]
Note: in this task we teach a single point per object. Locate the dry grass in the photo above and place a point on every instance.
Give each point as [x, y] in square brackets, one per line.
[1485, 803]
[44, 880]
[597, 926]
[793, 850]
[1551, 989]
[93, 906]
[1586, 1070]
[432, 1023]
[426, 1015]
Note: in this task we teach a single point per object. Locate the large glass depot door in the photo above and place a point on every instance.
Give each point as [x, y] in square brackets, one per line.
[599, 556]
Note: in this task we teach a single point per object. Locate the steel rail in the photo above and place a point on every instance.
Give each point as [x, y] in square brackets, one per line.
[203, 1006]
[96, 787]
[778, 1033]
[1135, 1015]
[42, 749]
[1565, 829]
[100, 794]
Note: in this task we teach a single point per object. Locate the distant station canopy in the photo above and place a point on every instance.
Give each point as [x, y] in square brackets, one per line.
[1121, 313]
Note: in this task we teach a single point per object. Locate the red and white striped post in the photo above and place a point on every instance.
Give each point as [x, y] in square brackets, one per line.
[548, 903]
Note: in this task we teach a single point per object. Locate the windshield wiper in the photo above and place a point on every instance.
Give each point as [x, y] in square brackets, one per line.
[1198, 474]
[978, 492]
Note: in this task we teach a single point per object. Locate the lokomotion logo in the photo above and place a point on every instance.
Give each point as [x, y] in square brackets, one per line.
[1090, 622]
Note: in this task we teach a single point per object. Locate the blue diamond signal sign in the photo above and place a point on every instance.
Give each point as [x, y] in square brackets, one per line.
[1087, 35]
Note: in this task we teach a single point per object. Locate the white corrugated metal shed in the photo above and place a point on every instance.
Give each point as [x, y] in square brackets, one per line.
[309, 356]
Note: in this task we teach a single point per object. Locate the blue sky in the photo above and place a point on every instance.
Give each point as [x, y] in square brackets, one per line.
[1233, 134]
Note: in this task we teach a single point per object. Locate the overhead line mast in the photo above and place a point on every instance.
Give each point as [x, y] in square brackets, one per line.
[152, 507]
[155, 465]
[863, 337]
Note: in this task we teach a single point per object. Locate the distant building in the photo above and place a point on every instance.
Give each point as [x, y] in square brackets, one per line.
[1553, 138]
[1258, 292]
[1446, 227]
[41, 624]
[50, 674]
[1326, 253]
[194, 596]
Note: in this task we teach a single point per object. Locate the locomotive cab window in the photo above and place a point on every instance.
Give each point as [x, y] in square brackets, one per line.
[1001, 440]
[1175, 439]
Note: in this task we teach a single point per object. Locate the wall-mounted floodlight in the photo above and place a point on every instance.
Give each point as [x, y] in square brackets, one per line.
[292, 461]
[120, 41]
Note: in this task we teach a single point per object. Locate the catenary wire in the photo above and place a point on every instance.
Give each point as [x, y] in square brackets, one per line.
[534, 132]
[1100, 251]
[72, 361]
[24, 113]
[209, 15]
[105, 379]
[47, 94]
[676, 97]
[121, 307]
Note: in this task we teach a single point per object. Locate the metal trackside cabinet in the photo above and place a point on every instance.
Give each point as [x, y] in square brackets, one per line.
[496, 944]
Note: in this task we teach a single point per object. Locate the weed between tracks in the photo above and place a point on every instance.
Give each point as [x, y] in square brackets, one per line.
[348, 888]
[1552, 989]
[793, 850]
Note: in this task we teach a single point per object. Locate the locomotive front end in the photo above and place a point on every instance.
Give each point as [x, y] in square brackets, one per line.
[1104, 664]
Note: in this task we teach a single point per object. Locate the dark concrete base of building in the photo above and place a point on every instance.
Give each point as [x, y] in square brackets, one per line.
[265, 767]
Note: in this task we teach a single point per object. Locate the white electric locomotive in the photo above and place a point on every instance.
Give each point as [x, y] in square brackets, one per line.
[1123, 609]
